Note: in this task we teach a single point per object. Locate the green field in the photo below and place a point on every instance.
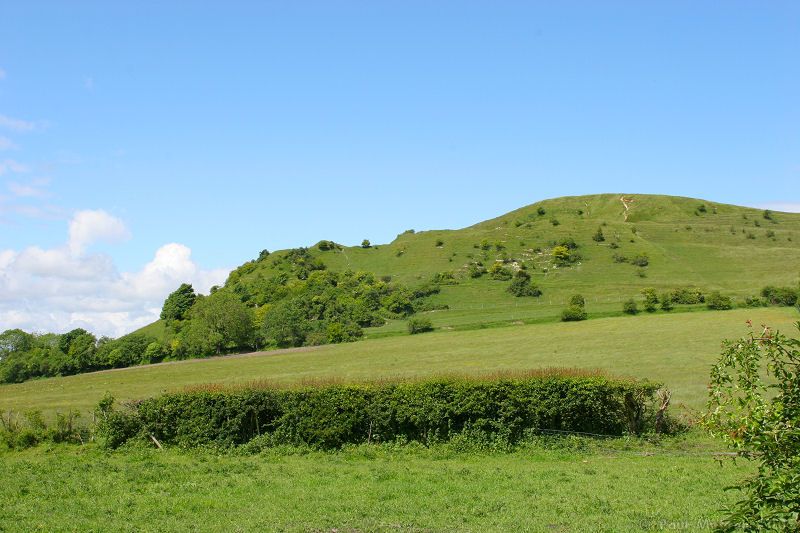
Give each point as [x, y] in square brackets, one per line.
[676, 349]
[578, 486]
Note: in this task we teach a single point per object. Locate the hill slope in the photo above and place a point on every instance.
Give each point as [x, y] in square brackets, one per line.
[688, 242]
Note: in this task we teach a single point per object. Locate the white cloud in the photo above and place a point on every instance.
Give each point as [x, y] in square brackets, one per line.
[89, 226]
[7, 144]
[788, 207]
[9, 165]
[34, 189]
[17, 124]
[63, 288]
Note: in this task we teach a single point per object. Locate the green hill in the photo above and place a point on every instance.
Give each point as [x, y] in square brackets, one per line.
[687, 242]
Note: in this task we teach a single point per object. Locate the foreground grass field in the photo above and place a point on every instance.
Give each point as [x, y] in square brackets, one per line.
[676, 349]
[579, 486]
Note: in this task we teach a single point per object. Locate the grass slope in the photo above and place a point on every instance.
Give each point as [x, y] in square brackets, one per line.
[728, 248]
[676, 349]
[364, 489]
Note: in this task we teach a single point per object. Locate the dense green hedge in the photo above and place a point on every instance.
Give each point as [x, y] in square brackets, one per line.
[426, 411]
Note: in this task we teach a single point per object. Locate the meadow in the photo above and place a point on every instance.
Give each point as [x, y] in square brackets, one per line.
[676, 349]
[553, 485]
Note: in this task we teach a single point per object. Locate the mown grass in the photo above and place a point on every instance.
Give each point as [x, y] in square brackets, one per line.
[577, 485]
[677, 350]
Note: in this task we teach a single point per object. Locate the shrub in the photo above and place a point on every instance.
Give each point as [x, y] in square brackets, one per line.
[475, 270]
[650, 299]
[419, 324]
[578, 300]
[554, 221]
[666, 302]
[688, 296]
[780, 295]
[598, 235]
[718, 302]
[521, 285]
[640, 260]
[619, 258]
[755, 301]
[500, 272]
[540, 211]
[573, 313]
[630, 307]
[439, 242]
[365, 243]
[428, 411]
[444, 278]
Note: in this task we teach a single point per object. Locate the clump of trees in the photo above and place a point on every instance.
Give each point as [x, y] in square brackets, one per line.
[26, 356]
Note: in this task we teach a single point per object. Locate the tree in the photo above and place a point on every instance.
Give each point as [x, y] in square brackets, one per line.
[666, 302]
[219, 322]
[365, 243]
[561, 254]
[754, 406]
[177, 304]
[598, 235]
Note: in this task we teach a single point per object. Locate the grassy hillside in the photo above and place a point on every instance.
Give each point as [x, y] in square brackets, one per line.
[688, 242]
[676, 349]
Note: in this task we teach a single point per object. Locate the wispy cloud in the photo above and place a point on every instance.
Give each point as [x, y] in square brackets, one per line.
[787, 207]
[9, 165]
[17, 124]
[7, 144]
[33, 189]
[2, 74]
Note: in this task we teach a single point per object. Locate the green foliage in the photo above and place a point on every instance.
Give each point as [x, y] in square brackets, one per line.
[666, 302]
[419, 324]
[325, 246]
[577, 299]
[365, 243]
[219, 322]
[640, 260]
[598, 235]
[718, 301]
[20, 432]
[429, 411]
[540, 211]
[475, 270]
[522, 285]
[630, 307]
[576, 310]
[687, 295]
[573, 313]
[650, 299]
[780, 295]
[500, 272]
[177, 304]
[754, 406]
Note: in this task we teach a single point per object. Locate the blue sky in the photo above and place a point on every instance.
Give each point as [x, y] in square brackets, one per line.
[230, 127]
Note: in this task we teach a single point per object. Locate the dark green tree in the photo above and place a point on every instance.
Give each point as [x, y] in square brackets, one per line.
[218, 323]
[177, 304]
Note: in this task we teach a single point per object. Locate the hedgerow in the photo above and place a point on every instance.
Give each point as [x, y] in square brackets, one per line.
[426, 411]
